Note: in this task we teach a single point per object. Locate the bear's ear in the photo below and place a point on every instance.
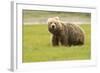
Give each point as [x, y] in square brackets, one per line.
[49, 19]
[57, 18]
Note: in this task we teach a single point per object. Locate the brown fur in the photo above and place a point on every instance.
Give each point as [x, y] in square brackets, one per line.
[66, 34]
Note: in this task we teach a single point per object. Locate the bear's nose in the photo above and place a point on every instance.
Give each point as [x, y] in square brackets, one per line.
[53, 26]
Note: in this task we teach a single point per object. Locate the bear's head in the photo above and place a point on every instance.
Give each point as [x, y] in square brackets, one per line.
[54, 25]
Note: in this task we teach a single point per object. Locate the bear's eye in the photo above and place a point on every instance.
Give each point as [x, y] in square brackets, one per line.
[50, 23]
[55, 23]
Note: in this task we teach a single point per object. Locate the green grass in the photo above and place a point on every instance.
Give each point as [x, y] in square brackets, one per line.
[37, 46]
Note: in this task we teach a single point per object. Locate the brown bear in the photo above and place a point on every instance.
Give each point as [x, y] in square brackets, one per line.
[66, 34]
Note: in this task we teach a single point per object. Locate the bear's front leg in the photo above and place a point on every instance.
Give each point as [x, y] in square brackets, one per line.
[55, 41]
[64, 41]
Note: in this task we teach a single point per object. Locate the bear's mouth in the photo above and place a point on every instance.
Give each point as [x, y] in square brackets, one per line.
[52, 30]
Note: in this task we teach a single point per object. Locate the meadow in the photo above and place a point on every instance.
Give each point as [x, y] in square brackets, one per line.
[37, 45]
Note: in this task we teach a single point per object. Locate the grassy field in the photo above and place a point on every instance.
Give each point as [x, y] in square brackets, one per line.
[39, 14]
[37, 46]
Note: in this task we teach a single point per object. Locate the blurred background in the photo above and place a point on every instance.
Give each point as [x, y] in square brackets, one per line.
[31, 17]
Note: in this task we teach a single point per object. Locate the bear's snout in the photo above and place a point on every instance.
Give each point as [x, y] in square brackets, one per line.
[53, 26]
